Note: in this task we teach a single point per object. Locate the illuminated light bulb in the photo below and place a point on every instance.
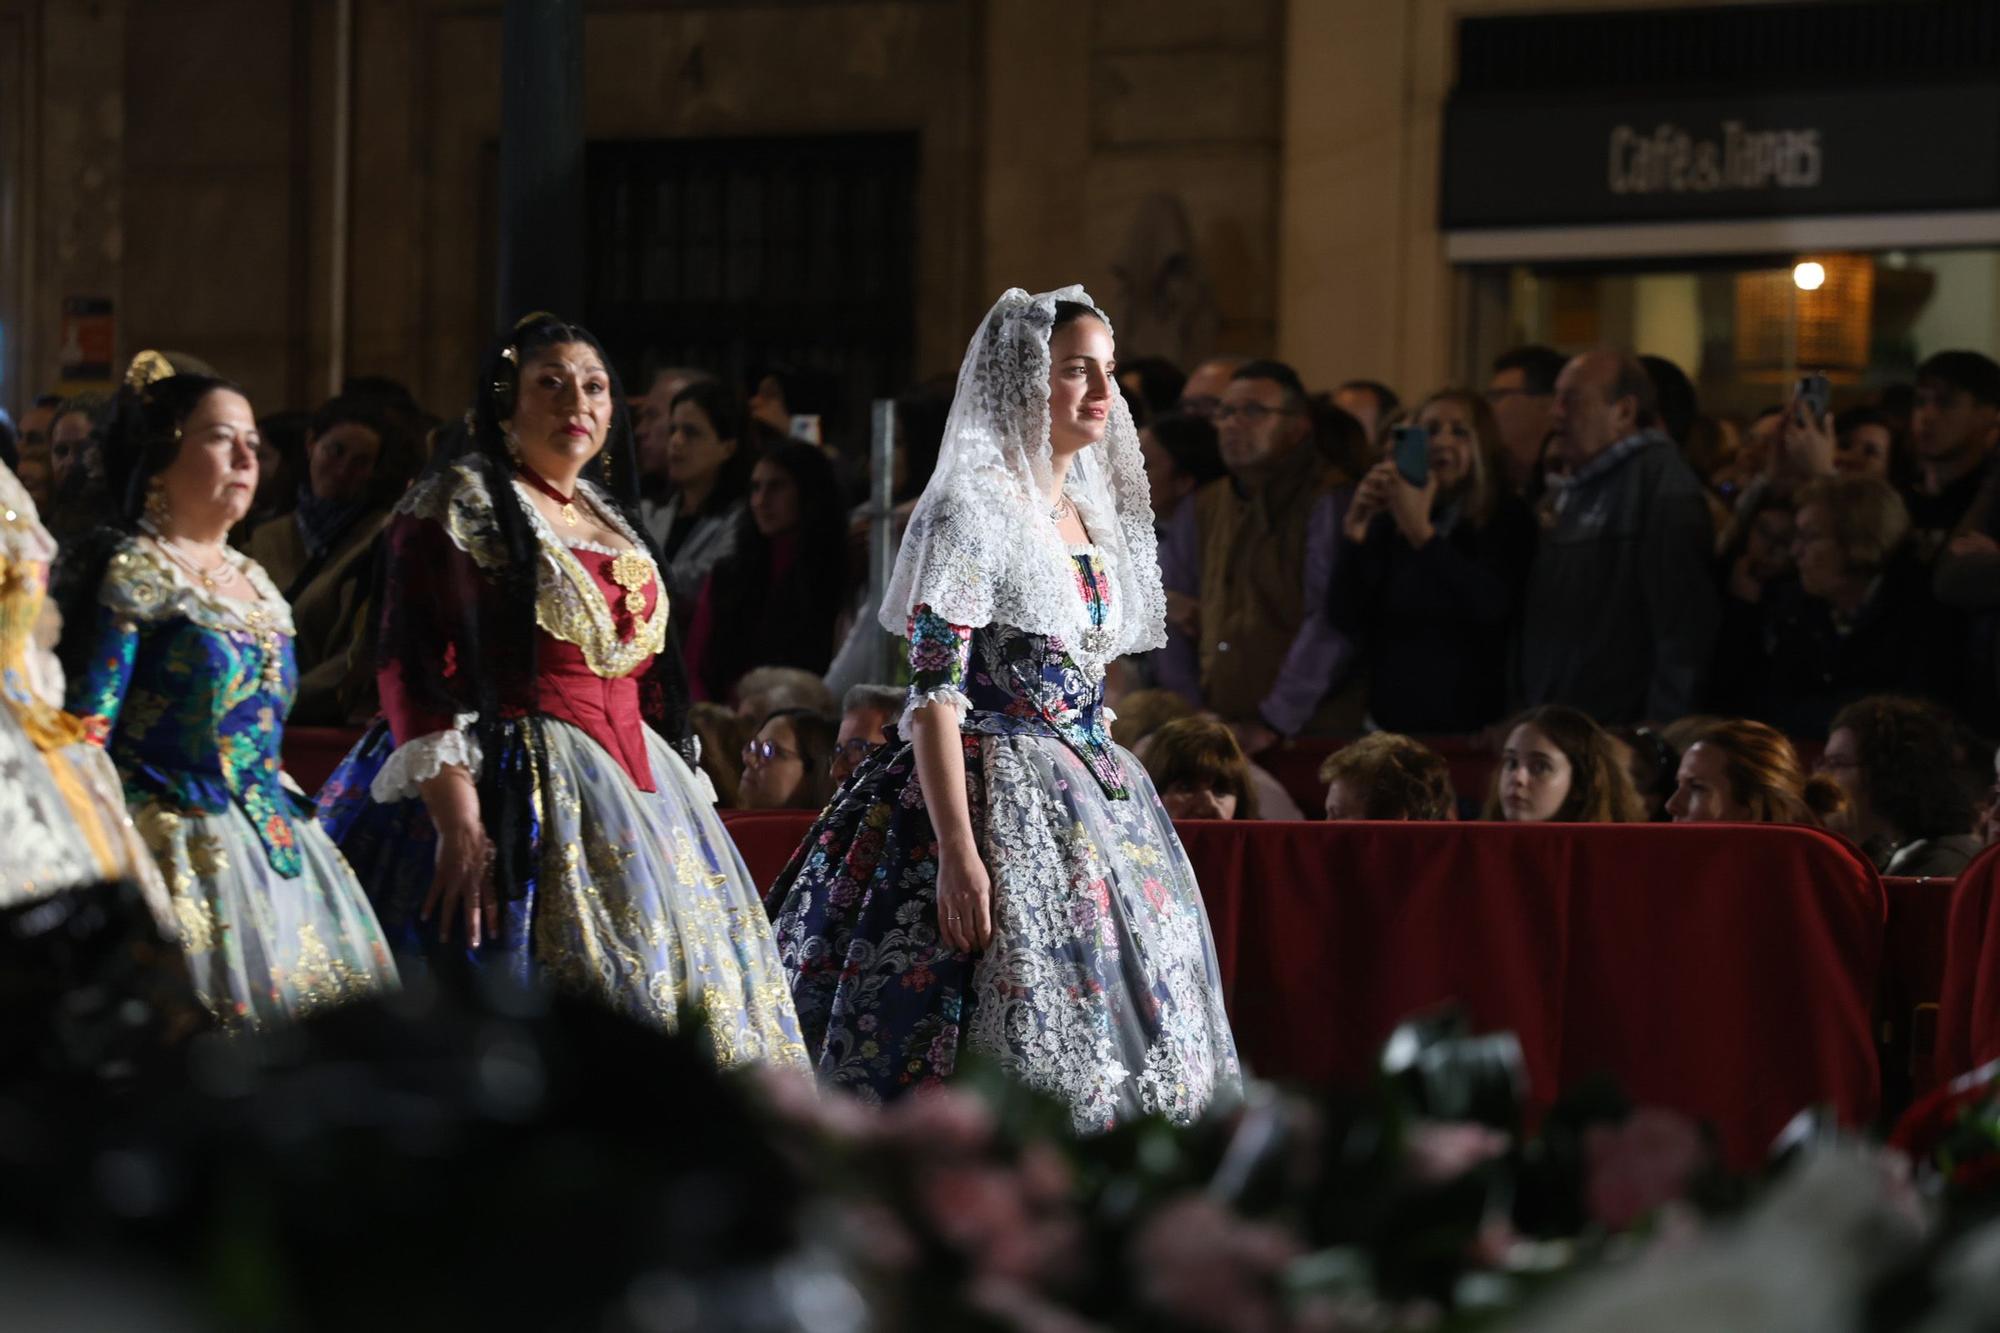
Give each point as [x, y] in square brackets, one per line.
[1809, 276]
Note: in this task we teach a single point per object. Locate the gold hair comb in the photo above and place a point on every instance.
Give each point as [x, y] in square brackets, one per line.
[148, 368]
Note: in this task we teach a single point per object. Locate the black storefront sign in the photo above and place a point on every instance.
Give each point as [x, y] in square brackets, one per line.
[1864, 150]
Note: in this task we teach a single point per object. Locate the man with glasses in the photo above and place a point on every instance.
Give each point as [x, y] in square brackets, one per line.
[865, 715]
[1202, 393]
[1522, 394]
[1246, 568]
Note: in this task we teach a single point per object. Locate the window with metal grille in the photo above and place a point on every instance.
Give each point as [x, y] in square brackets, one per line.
[741, 255]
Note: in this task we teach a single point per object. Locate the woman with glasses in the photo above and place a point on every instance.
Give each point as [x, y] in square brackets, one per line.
[523, 803]
[1001, 878]
[785, 765]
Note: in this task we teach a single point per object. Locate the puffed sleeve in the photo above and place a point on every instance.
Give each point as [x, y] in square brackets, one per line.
[417, 675]
[97, 692]
[940, 656]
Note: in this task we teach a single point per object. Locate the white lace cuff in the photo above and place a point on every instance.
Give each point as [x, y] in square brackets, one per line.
[418, 761]
[949, 695]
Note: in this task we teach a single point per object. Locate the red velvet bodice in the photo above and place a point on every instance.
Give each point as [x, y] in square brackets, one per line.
[605, 710]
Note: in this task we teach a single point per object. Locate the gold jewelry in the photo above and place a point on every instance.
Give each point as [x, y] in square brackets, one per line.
[513, 442]
[147, 368]
[158, 512]
[632, 572]
[207, 577]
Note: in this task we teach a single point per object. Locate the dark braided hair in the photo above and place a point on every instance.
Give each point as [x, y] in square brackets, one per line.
[496, 647]
[142, 437]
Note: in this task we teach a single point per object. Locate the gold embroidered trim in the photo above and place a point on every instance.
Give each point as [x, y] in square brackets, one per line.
[569, 604]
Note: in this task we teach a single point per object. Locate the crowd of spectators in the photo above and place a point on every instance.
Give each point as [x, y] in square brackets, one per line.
[1640, 611]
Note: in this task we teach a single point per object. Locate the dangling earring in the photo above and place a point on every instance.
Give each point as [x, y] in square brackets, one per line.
[158, 514]
[514, 447]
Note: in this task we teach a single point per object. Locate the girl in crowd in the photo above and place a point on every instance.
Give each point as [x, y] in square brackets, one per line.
[1386, 776]
[1908, 776]
[774, 600]
[1002, 877]
[522, 801]
[63, 821]
[179, 655]
[1429, 576]
[1558, 765]
[785, 765]
[1748, 773]
[706, 461]
[1200, 771]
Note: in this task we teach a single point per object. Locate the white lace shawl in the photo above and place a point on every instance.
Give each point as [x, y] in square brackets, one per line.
[981, 549]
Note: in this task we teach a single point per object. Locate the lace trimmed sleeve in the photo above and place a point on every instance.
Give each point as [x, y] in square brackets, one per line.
[420, 759]
[940, 655]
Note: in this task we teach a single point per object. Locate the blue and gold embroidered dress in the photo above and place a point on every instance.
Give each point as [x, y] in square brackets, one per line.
[191, 690]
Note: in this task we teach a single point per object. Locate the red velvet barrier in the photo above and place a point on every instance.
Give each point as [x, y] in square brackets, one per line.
[312, 753]
[767, 839]
[1968, 1029]
[1913, 971]
[1730, 972]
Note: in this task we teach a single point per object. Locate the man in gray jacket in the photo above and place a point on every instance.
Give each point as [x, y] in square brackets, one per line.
[1621, 609]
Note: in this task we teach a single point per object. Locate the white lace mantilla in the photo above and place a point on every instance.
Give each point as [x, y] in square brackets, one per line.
[981, 548]
[417, 761]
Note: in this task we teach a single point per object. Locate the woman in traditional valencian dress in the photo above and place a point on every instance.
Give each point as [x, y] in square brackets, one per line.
[520, 794]
[179, 655]
[63, 821]
[1002, 878]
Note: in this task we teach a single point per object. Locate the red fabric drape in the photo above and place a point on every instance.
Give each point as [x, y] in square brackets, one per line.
[1727, 971]
[1968, 1030]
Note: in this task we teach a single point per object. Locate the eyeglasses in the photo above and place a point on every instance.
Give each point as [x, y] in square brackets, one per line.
[849, 752]
[760, 753]
[1252, 413]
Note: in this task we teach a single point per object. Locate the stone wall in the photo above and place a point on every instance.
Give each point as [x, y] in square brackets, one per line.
[299, 189]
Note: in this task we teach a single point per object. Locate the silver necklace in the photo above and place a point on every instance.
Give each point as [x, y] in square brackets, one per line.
[1062, 510]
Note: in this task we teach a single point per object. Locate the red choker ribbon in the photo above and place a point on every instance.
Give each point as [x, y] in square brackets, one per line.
[546, 487]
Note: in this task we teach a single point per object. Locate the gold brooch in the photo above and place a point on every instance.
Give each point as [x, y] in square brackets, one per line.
[632, 572]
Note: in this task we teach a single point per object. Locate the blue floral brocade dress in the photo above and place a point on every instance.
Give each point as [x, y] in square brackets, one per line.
[191, 691]
[1100, 985]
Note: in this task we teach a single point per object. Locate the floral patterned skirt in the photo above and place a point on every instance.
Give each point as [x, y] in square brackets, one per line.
[642, 901]
[262, 948]
[1100, 985]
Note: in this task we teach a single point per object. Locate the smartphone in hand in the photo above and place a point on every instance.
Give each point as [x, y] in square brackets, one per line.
[1815, 393]
[1411, 448]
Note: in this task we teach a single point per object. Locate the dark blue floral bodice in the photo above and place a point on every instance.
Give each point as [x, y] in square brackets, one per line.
[191, 690]
[1012, 683]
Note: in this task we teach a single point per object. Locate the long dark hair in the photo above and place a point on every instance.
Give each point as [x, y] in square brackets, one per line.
[729, 421]
[495, 635]
[142, 437]
[756, 621]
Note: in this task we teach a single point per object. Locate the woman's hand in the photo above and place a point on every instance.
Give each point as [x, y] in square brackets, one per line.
[964, 898]
[1806, 447]
[1369, 499]
[1410, 505]
[463, 879]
